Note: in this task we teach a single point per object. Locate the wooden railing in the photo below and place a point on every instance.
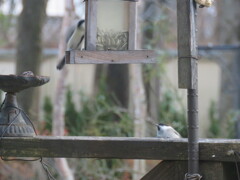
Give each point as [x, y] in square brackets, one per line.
[116, 147]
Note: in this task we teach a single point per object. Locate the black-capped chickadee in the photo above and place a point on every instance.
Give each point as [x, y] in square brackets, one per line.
[165, 131]
[74, 41]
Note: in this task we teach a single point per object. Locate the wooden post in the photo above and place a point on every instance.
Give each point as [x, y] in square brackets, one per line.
[91, 24]
[132, 37]
[187, 45]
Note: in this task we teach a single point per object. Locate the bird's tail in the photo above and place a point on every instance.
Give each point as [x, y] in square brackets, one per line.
[61, 63]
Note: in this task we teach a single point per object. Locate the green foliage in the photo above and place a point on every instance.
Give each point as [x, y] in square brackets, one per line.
[172, 112]
[158, 27]
[231, 118]
[214, 129]
[157, 70]
[48, 110]
[6, 22]
[100, 169]
[98, 116]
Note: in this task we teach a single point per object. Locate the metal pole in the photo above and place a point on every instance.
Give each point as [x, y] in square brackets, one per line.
[193, 127]
[193, 147]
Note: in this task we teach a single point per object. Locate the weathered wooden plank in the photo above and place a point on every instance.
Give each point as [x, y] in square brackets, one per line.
[165, 170]
[91, 25]
[115, 147]
[187, 71]
[111, 57]
[175, 170]
[187, 45]
[132, 37]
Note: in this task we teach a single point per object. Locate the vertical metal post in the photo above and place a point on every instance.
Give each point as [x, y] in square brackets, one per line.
[193, 127]
[193, 146]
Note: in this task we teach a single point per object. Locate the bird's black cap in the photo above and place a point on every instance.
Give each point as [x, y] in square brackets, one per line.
[161, 124]
[80, 23]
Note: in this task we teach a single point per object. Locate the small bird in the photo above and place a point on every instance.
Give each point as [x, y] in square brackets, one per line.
[165, 131]
[27, 73]
[74, 41]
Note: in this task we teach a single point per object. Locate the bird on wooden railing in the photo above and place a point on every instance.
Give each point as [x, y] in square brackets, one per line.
[165, 131]
[74, 41]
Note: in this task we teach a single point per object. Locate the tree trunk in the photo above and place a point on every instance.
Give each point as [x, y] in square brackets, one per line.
[138, 104]
[153, 99]
[100, 72]
[139, 111]
[116, 79]
[29, 46]
[59, 101]
[118, 82]
[155, 38]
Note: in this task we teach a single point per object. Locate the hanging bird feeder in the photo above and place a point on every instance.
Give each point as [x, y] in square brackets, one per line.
[13, 120]
[111, 35]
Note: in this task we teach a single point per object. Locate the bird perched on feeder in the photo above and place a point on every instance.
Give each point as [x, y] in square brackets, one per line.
[204, 3]
[74, 41]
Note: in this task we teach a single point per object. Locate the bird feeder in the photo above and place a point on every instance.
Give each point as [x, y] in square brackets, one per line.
[111, 35]
[13, 120]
